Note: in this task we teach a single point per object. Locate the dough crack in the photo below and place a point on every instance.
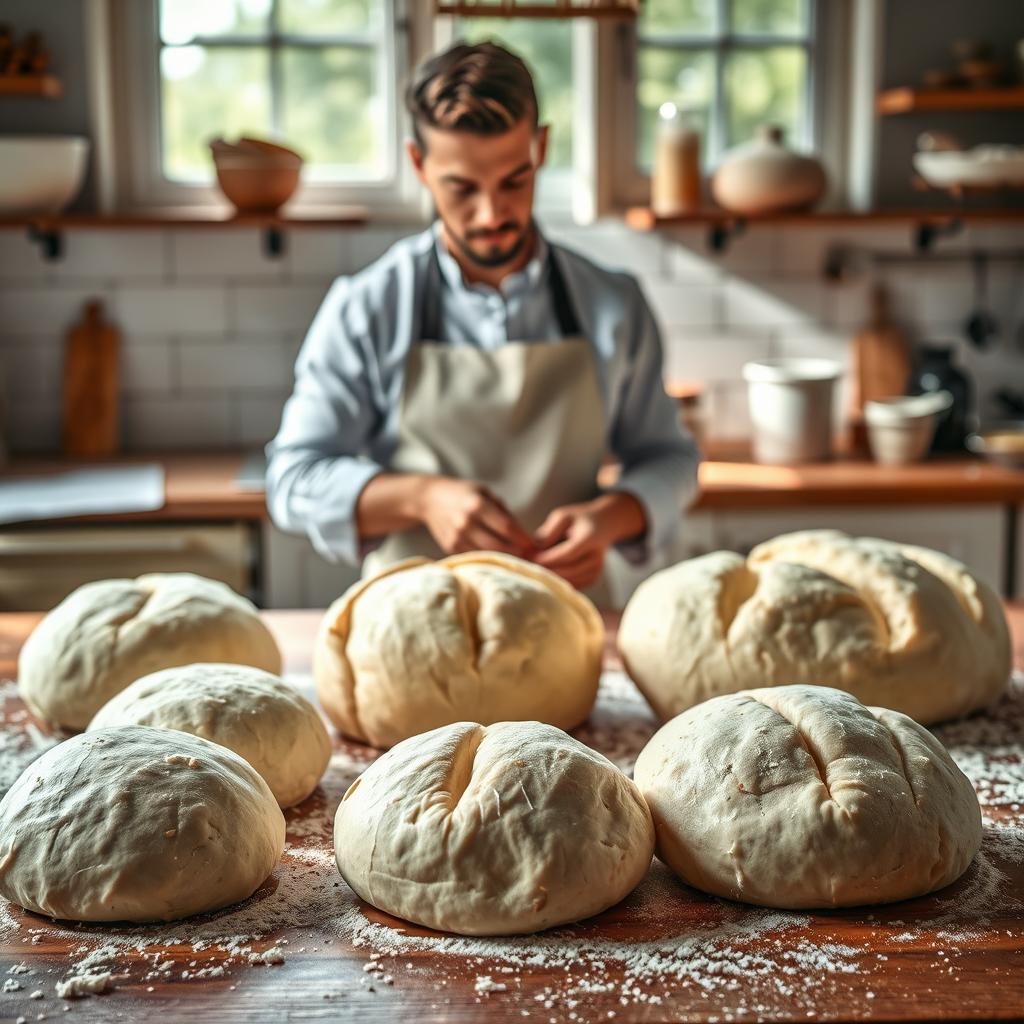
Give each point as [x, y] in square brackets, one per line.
[805, 741]
[902, 755]
[461, 773]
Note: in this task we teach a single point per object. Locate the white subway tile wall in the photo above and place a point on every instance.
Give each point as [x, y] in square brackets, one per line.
[211, 324]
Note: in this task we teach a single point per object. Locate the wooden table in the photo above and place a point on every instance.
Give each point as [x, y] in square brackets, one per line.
[958, 954]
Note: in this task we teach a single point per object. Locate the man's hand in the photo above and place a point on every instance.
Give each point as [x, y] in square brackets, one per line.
[574, 538]
[465, 516]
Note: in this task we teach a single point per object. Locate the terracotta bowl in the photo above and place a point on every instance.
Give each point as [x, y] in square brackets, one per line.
[257, 187]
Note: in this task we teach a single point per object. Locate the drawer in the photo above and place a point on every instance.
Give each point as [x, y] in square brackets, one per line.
[39, 567]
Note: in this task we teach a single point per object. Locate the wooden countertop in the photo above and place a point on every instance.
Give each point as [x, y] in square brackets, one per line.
[204, 486]
[958, 954]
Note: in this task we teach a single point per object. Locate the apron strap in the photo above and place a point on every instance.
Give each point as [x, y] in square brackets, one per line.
[430, 300]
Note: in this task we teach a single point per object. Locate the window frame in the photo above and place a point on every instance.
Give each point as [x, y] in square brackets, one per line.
[823, 88]
[130, 130]
[124, 94]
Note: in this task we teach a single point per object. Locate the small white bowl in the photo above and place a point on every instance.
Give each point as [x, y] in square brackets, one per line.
[40, 174]
[900, 430]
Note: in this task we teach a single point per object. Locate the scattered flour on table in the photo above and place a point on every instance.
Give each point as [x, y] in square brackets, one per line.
[748, 955]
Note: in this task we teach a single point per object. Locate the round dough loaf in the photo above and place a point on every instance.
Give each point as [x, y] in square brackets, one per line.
[257, 715]
[107, 634]
[475, 637]
[896, 625]
[493, 830]
[136, 824]
[800, 797]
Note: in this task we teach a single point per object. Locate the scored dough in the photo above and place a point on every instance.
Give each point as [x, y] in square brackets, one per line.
[257, 715]
[493, 830]
[800, 797]
[136, 824]
[107, 634]
[480, 636]
[898, 626]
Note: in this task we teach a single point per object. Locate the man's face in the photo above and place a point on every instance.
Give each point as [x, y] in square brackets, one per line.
[483, 186]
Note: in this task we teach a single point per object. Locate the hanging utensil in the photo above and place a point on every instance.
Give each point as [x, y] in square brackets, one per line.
[981, 326]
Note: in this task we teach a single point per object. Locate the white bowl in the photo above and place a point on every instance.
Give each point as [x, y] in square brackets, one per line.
[40, 174]
[983, 165]
[900, 430]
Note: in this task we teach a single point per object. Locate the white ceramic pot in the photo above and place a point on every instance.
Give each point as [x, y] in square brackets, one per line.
[900, 430]
[763, 176]
[40, 173]
[791, 409]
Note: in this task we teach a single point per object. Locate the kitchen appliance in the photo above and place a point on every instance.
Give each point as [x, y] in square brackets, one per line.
[935, 371]
[791, 409]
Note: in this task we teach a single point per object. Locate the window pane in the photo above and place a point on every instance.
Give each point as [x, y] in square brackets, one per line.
[206, 92]
[787, 17]
[321, 17]
[546, 46]
[683, 77]
[183, 20]
[678, 17]
[766, 85]
[332, 112]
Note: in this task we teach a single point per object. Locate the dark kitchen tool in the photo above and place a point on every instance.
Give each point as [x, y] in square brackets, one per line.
[935, 371]
[981, 327]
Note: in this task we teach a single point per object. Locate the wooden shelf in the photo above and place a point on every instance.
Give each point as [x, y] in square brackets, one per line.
[643, 218]
[47, 86]
[907, 100]
[193, 217]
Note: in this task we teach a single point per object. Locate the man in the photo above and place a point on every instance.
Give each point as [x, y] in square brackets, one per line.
[461, 392]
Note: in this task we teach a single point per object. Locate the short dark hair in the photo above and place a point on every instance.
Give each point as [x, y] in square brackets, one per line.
[482, 88]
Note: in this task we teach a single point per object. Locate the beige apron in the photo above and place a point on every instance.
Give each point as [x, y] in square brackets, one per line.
[525, 420]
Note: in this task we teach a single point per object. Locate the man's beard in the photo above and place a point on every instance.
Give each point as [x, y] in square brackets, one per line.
[496, 257]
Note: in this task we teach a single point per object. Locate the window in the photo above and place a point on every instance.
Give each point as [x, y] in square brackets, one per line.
[733, 64]
[307, 72]
[319, 75]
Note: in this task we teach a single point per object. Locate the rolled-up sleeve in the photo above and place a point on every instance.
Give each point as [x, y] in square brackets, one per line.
[317, 466]
[659, 458]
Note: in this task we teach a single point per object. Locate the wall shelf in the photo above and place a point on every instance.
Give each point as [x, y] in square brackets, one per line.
[47, 86]
[48, 230]
[722, 225]
[907, 100]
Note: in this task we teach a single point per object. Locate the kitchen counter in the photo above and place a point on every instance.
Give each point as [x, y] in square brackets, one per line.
[206, 485]
[665, 953]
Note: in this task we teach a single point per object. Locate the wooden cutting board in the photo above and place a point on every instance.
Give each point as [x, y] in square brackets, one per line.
[91, 386]
[954, 955]
[880, 366]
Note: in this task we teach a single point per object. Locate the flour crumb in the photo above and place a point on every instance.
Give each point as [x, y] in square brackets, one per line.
[485, 985]
[81, 985]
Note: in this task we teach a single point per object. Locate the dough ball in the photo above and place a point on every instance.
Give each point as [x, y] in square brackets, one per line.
[257, 715]
[476, 637]
[136, 824]
[106, 635]
[493, 830]
[800, 796]
[895, 625]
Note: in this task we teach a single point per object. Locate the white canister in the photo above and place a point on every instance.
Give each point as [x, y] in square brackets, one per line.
[791, 409]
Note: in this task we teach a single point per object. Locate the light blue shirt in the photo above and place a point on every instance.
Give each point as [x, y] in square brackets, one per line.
[339, 428]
